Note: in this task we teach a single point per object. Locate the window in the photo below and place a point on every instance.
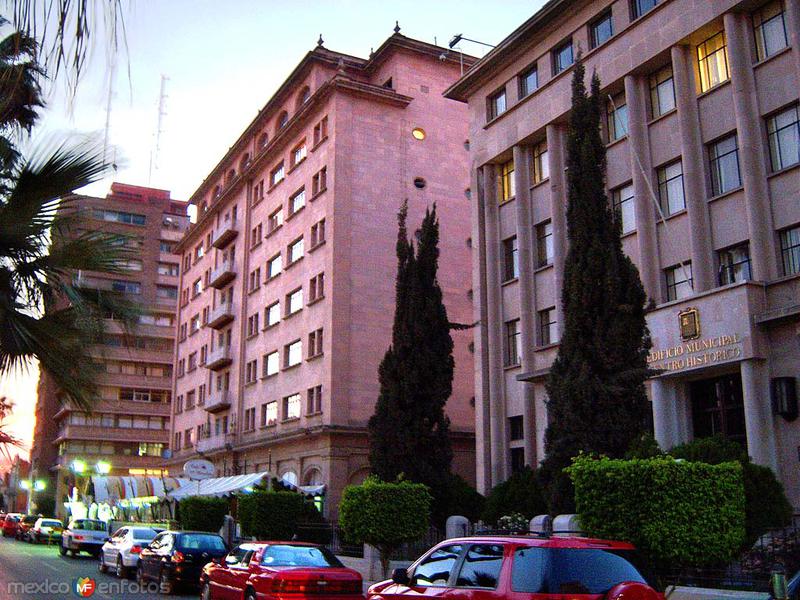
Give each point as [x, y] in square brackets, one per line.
[434, 570]
[314, 400]
[513, 343]
[249, 419]
[201, 394]
[679, 281]
[712, 59]
[616, 118]
[562, 57]
[670, 188]
[544, 244]
[167, 291]
[197, 287]
[316, 288]
[251, 371]
[199, 252]
[291, 407]
[274, 266]
[132, 264]
[662, 91]
[203, 354]
[254, 281]
[126, 287]
[283, 119]
[321, 131]
[734, 264]
[272, 314]
[115, 216]
[528, 81]
[165, 246]
[292, 354]
[496, 104]
[317, 233]
[315, 343]
[258, 192]
[298, 154]
[481, 567]
[541, 166]
[319, 183]
[515, 428]
[517, 459]
[790, 250]
[724, 158]
[510, 259]
[252, 324]
[640, 7]
[271, 364]
[624, 208]
[274, 220]
[769, 26]
[601, 29]
[255, 235]
[507, 184]
[178, 438]
[548, 332]
[783, 130]
[294, 251]
[194, 324]
[294, 301]
[191, 395]
[269, 414]
[276, 175]
[170, 269]
[178, 404]
[297, 201]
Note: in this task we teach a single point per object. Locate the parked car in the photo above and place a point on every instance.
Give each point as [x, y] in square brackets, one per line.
[520, 567]
[10, 524]
[83, 535]
[276, 569]
[24, 526]
[176, 558]
[122, 550]
[45, 530]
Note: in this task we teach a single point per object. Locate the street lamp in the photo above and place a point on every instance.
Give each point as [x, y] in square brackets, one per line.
[103, 467]
[78, 466]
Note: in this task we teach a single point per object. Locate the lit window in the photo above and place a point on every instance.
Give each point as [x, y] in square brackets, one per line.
[601, 30]
[513, 343]
[541, 166]
[670, 188]
[507, 184]
[679, 281]
[724, 161]
[784, 138]
[548, 329]
[496, 104]
[528, 81]
[790, 250]
[662, 91]
[544, 244]
[769, 25]
[624, 208]
[712, 58]
[563, 57]
[734, 264]
[510, 259]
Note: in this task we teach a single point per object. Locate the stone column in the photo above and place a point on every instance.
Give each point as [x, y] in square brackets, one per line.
[693, 161]
[759, 422]
[665, 413]
[752, 158]
[643, 189]
[527, 294]
[497, 401]
[556, 158]
[480, 341]
[792, 8]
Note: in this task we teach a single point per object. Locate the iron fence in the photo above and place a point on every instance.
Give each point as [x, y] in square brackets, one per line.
[330, 536]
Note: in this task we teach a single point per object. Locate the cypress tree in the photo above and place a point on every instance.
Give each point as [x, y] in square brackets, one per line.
[597, 400]
[409, 432]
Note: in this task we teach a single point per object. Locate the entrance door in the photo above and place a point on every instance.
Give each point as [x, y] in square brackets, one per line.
[718, 408]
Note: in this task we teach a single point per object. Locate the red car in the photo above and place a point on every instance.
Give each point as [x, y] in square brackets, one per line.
[524, 567]
[10, 524]
[25, 524]
[280, 570]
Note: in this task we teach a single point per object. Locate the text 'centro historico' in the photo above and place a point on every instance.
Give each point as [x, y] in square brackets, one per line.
[696, 353]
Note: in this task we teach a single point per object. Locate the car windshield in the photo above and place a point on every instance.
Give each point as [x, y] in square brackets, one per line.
[143, 534]
[571, 570]
[11, 519]
[51, 523]
[88, 525]
[200, 541]
[30, 519]
[298, 556]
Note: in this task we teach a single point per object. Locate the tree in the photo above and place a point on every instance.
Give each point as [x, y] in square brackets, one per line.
[409, 432]
[597, 400]
[6, 439]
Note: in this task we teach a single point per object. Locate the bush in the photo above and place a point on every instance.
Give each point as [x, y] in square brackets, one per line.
[45, 504]
[645, 446]
[269, 515]
[677, 513]
[202, 513]
[457, 497]
[385, 515]
[766, 505]
[521, 493]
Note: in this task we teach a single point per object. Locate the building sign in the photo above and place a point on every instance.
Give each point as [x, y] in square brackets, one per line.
[689, 321]
[696, 353]
[198, 469]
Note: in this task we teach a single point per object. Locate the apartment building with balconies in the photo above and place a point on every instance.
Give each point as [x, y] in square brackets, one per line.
[287, 278]
[128, 428]
[701, 123]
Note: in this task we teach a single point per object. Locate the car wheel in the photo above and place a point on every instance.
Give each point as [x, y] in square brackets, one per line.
[205, 593]
[165, 585]
[62, 550]
[101, 565]
[121, 570]
[251, 595]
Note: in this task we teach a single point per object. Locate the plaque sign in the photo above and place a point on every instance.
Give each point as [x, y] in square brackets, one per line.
[689, 322]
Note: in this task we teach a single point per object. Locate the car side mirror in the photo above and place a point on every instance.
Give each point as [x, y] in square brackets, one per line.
[400, 576]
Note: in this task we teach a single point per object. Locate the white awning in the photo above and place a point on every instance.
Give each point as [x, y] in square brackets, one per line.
[115, 488]
[217, 486]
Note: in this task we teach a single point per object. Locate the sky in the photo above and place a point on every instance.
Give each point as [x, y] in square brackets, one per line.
[222, 61]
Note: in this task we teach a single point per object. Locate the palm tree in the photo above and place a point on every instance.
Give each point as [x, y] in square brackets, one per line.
[6, 439]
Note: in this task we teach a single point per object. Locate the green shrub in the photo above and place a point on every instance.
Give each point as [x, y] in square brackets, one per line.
[385, 515]
[766, 505]
[457, 497]
[645, 446]
[270, 515]
[677, 513]
[45, 504]
[521, 493]
[202, 513]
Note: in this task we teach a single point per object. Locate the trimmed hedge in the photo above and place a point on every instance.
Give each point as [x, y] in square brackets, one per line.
[271, 515]
[202, 513]
[677, 513]
[520, 493]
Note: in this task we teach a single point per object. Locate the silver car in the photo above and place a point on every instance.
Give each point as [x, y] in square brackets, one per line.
[121, 551]
[83, 535]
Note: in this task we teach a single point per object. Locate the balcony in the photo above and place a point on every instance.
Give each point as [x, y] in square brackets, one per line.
[214, 442]
[219, 358]
[111, 434]
[221, 315]
[219, 401]
[222, 275]
[224, 235]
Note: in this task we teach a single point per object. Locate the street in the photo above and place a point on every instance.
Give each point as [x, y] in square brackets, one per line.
[28, 571]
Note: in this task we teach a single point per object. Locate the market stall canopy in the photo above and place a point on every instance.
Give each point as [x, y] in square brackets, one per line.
[224, 486]
[128, 487]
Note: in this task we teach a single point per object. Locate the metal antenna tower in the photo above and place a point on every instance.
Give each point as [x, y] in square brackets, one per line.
[154, 154]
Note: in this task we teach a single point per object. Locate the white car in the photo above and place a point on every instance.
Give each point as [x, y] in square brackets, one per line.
[121, 551]
[45, 530]
[83, 535]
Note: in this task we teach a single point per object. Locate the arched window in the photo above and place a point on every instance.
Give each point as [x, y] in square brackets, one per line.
[244, 162]
[216, 193]
[283, 119]
[290, 477]
[313, 477]
[359, 476]
[303, 96]
[229, 177]
[263, 140]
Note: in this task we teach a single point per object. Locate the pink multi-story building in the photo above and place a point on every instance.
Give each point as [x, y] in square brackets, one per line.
[287, 279]
[703, 162]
